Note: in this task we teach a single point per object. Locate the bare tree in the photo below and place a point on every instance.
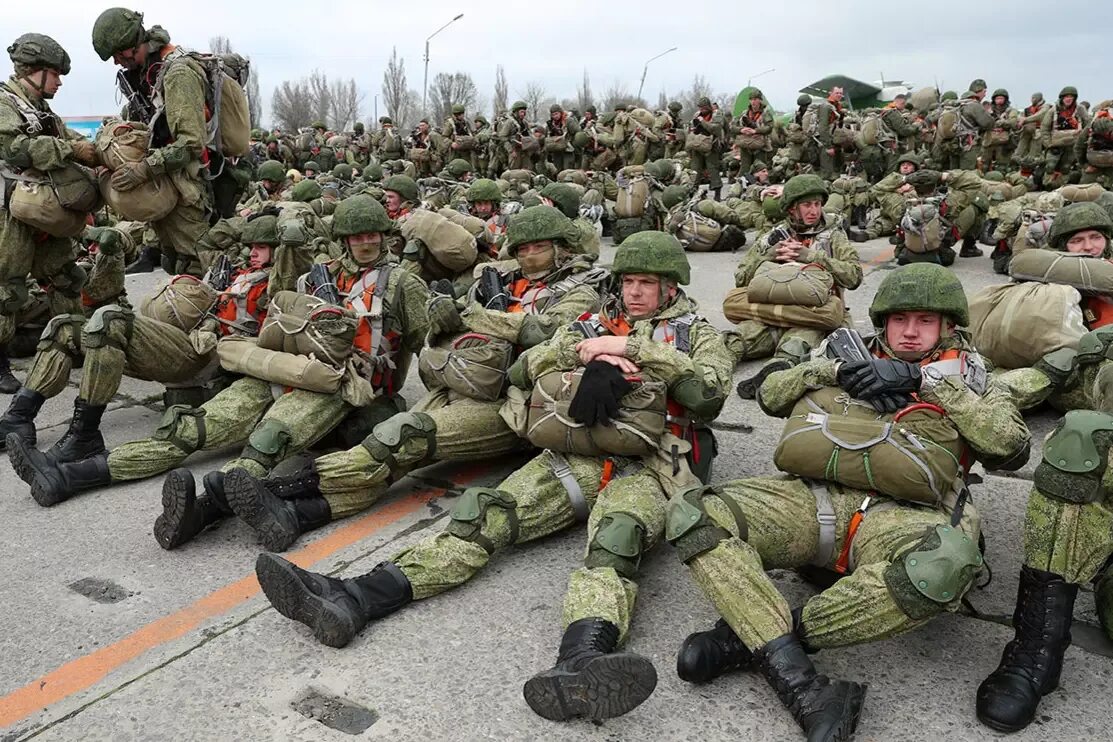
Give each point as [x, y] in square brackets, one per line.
[319, 95]
[662, 100]
[291, 106]
[502, 92]
[534, 97]
[222, 45]
[345, 102]
[700, 89]
[398, 99]
[618, 95]
[450, 89]
[584, 97]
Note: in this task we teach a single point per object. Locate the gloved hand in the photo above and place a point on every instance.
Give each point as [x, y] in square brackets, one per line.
[601, 388]
[131, 175]
[923, 178]
[444, 316]
[84, 152]
[879, 376]
[442, 286]
[106, 238]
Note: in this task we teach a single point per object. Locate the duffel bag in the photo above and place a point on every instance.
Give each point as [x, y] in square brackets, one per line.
[830, 316]
[56, 202]
[698, 143]
[914, 455]
[1100, 157]
[1087, 274]
[1014, 325]
[751, 142]
[796, 284]
[1062, 138]
[923, 228]
[451, 244]
[697, 232]
[473, 365]
[304, 325]
[242, 355]
[556, 144]
[183, 302]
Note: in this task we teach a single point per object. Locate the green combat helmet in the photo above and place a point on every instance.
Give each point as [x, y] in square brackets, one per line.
[36, 51]
[949, 95]
[1001, 92]
[518, 105]
[564, 197]
[800, 188]
[977, 85]
[404, 186]
[1076, 217]
[271, 170]
[675, 107]
[360, 214]
[318, 125]
[1068, 90]
[305, 191]
[117, 30]
[920, 287]
[534, 224]
[458, 168]
[373, 173]
[555, 108]
[457, 108]
[703, 102]
[342, 171]
[483, 189]
[673, 195]
[653, 252]
[261, 229]
[312, 165]
[803, 99]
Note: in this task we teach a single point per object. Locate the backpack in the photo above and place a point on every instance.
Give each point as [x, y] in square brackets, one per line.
[875, 131]
[229, 116]
[810, 122]
[923, 228]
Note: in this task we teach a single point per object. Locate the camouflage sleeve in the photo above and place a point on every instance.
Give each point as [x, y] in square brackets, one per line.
[184, 92]
[990, 424]
[22, 151]
[529, 330]
[898, 124]
[964, 180]
[761, 252]
[556, 354]
[1028, 387]
[714, 127]
[843, 264]
[719, 211]
[106, 280]
[413, 320]
[1010, 120]
[824, 125]
[1047, 123]
[782, 389]
[765, 123]
[586, 238]
[889, 184]
[978, 115]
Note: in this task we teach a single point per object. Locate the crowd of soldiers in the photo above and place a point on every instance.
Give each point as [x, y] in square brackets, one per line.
[308, 273]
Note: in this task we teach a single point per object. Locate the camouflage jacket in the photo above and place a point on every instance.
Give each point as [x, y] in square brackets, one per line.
[31, 135]
[105, 284]
[839, 257]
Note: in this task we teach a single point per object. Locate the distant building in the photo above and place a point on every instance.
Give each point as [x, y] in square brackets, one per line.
[87, 125]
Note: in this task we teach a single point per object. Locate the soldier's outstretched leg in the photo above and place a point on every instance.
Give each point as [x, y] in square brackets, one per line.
[184, 514]
[591, 678]
[279, 520]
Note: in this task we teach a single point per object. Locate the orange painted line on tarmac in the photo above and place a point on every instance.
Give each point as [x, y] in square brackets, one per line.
[88, 670]
[883, 257]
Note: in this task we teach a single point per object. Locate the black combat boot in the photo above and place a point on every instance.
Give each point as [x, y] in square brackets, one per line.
[83, 439]
[184, 514]
[748, 388]
[590, 678]
[826, 710]
[9, 384]
[970, 248]
[1001, 256]
[1031, 662]
[857, 234]
[860, 215]
[705, 655]
[335, 609]
[19, 419]
[278, 522]
[54, 482]
[149, 259]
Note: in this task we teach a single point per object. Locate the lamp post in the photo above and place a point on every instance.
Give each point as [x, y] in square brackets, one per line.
[425, 83]
[771, 69]
[646, 68]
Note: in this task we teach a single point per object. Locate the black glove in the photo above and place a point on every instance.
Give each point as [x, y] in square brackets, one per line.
[596, 400]
[442, 286]
[878, 376]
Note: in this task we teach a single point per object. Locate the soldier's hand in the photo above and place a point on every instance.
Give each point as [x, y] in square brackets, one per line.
[130, 176]
[609, 345]
[106, 239]
[880, 377]
[203, 341]
[442, 286]
[444, 316]
[84, 151]
[597, 398]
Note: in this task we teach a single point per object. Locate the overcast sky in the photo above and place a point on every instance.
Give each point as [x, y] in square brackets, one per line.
[1022, 45]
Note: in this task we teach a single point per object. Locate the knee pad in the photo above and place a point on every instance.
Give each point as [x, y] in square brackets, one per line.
[1096, 346]
[267, 443]
[617, 544]
[54, 334]
[469, 515]
[937, 571]
[691, 530]
[388, 437]
[109, 325]
[173, 429]
[1058, 366]
[1075, 457]
[13, 296]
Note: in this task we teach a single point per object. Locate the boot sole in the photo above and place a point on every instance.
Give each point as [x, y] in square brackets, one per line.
[242, 497]
[751, 385]
[17, 455]
[852, 711]
[29, 472]
[177, 493]
[608, 686]
[30, 439]
[290, 597]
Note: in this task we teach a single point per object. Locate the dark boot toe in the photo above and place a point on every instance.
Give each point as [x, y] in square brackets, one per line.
[289, 590]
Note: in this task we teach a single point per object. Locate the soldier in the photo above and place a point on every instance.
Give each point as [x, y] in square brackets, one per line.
[636, 331]
[891, 194]
[807, 236]
[560, 128]
[584, 239]
[973, 122]
[550, 287]
[512, 134]
[34, 141]
[673, 132]
[891, 127]
[1029, 146]
[387, 143]
[167, 88]
[708, 164]
[268, 188]
[908, 547]
[1061, 128]
[422, 151]
[459, 135]
[483, 200]
[752, 131]
[481, 154]
[998, 142]
[1094, 148]
[830, 117]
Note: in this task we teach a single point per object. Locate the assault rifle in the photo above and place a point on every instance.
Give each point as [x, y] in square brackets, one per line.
[220, 274]
[323, 286]
[491, 293]
[139, 108]
[847, 345]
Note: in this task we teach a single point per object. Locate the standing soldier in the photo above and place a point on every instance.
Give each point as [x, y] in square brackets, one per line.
[998, 143]
[387, 143]
[673, 132]
[1029, 144]
[1062, 126]
[752, 132]
[460, 136]
[559, 131]
[514, 133]
[708, 123]
[34, 143]
[972, 124]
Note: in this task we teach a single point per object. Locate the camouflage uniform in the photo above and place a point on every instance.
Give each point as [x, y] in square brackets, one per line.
[1029, 143]
[1060, 160]
[761, 122]
[977, 122]
[549, 494]
[708, 165]
[1005, 122]
[510, 132]
[387, 143]
[561, 125]
[729, 534]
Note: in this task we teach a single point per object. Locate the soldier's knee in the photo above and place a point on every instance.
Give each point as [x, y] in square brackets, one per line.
[1075, 458]
[691, 530]
[936, 572]
[70, 280]
[617, 544]
[109, 325]
[61, 333]
[183, 427]
[1059, 367]
[390, 436]
[468, 516]
[1096, 346]
[268, 443]
[796, 349]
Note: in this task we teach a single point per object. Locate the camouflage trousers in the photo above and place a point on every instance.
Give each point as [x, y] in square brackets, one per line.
[707, 166]
[466, 430]
[751, 340]
[1029, 148]
[997, 157]
[888, 217]
[1090, 389]
[246, 412]
[1100, 175]
[20, 332]
[178, 233]
[1057, 161]
[534, 503]
[782, 532]
[49, 260]
[1070, 539]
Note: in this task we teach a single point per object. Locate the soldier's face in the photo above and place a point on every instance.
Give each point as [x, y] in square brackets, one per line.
[999, 101]
[899, 104]
[482, 209]
[536, 258]
[807, 212]
[762, 176]
[131, 59]
[366, 247]
[260, 257]
[1088, 242]
[907, 168]
[836, 93]
[1068, 100]
[51, 81]
[641, 294]
[392, 201]
[911, 334]
[270, 186]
